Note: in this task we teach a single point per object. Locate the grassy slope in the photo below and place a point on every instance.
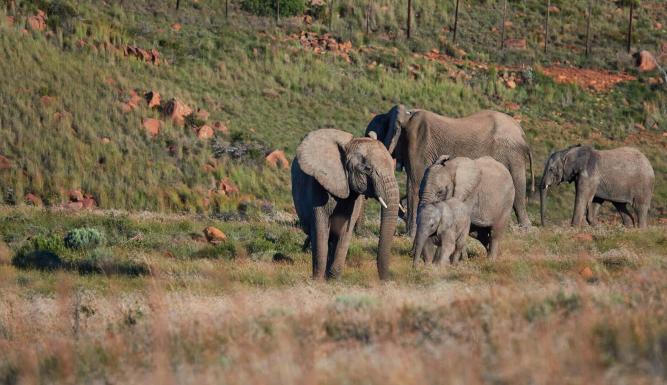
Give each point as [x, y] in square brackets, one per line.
[227, 68]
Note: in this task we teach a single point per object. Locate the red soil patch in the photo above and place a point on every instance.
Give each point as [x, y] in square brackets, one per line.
[598, 80]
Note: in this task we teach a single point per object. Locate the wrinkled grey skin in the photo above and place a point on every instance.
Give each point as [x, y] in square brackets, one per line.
[444, 225]
[331, 174]
[417, 138]
[483, 184]
[622, 176]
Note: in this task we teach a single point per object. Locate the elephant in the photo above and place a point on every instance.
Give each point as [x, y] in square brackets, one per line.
[622, 176]
[416, 138]
[484, 184]
[444, 225]
[332, 173]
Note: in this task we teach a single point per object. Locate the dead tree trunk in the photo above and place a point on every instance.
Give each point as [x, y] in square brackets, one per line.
[589, 15]
[546, 27]
[409, 17]
[178, 4]
[226, 9]
[331, 8]
[629, 39]
[368, 16]
[456, 20]
[502, 26]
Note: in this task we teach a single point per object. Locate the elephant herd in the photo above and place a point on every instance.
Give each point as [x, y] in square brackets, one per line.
[464, 177]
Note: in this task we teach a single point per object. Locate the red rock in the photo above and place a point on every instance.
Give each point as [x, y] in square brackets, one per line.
[46, 100]
[511, 84]
[208, 167]
[657, 26]
[152, 126]
[37, 22]
[512, 106]
[205, 132]
[202, 114]
[646, 62]
[515, 43]
[34, 200]
[508, 24]
[152, 98]
[586, 237]
[176, 27]
[135, 99]
[214, 235]
[155, 56]
[75, 196]
[126, 107]
[586, 273]
[89, 203]
[277, 158]
[220, 127]
[73, 205]
[554, 9]
[106, 140]
[227, 187]
[176, 111]
[5, 163]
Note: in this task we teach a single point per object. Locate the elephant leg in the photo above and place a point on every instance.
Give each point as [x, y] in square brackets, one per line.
[642, 214]
[497, 232]
[460, 251]
[446, 251]
[343, 229]
[361, 221]
[626, 216]
[583, 197]
[518, 171]
[415, 176]
[429, 253]
[592, 211]
[319, 235]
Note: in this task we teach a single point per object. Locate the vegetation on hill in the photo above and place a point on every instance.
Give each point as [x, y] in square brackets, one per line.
[63, 91]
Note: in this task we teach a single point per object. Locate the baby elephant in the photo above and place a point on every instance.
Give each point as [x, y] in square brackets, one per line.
[622, 176]
[443, 225]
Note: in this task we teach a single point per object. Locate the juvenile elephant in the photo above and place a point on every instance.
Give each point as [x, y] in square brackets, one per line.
[331, 174]
[483, 184]
[622, 176]
[444, 225]
[417, 138]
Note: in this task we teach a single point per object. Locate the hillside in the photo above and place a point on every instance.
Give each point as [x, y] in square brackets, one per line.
[64, 91]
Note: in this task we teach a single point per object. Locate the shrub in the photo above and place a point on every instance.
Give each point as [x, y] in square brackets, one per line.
[40, 253]
[268, 7]
[83, 238]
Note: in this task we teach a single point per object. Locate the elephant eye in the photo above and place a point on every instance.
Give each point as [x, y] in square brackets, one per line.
[366, 169]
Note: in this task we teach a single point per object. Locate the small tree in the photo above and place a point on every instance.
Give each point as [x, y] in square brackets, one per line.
[632, 4]
[546, 26]
[502, 26]
[178, 4]
[409, 17]
[589, 15]
[456, 20]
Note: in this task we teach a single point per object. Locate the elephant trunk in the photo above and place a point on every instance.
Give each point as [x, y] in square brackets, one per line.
[418, 248]
[387, 191]
[543, 201]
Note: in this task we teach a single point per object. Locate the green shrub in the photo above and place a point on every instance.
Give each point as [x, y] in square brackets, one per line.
[268, 7]
[83, 238]
[40, 253]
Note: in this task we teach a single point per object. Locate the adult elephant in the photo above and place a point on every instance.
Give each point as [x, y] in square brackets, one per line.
[622, 176]
[331, 174]
[417, 138]
[483, 184]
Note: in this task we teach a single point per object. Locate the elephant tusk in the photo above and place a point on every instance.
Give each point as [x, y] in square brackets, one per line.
[400, 206]
[382, 202]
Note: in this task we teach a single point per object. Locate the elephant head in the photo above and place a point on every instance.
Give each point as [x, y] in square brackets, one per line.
[388, 127]
[458, 177]
[429, 217]
[344, 165]
[565, 166]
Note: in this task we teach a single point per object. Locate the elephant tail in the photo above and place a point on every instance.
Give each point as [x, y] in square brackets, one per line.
[532, 175]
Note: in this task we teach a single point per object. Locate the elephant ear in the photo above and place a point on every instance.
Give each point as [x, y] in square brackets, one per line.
[578, 159]
[442, 159]
[321, 154]
[466, 179]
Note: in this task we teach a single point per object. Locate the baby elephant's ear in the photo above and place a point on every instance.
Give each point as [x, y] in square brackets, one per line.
[442, 159]
[467, 179]
[372, 135]
[321, 155]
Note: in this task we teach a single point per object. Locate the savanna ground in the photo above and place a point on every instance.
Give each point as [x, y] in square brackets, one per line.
[152, 301]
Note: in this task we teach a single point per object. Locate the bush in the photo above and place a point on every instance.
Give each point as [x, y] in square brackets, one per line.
[83, 238]
[40, 253]
[268, 7]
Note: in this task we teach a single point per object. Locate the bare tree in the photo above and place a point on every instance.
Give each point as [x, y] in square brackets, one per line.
[409, 17]
[456, 20]
[178, 4]
[502, 26]
[546, 27]
[589, 15]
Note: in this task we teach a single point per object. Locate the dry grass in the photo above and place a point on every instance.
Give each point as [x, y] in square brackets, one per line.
[530, 317]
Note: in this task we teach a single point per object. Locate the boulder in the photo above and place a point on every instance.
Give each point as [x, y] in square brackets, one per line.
[645, 61]
[152, 98]
[73, 205]
[227, 187]
[176, 111]
[208, 167]
[554, 9]
[202, 114]
[89, 202]
[515, 43]
[214, 235]
[176, 27]
[586, 273]
[220, 127]
[152, 126]
[508, 24]
[34, 200]
[75, 195]
[277, 158]
[37, 22]
[5, 163]
[205, 132]
[106, 140]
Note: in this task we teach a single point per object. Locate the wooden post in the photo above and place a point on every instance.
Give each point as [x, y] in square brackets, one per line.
[629, 42]
[502, 27]
[456, 20]
[588, 27]
[546, 27]
[409, 16]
